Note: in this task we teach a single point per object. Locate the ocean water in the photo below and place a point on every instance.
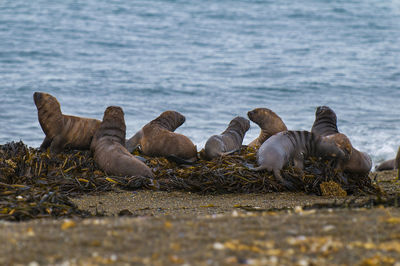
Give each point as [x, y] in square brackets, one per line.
[209, 60]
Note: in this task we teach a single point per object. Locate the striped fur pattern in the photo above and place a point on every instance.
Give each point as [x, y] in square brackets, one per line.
[228, 141]
[62, 131]
[157, 138]
[325, 125]
[108, 147]
[289, 147]
[170, 120]
[269, 122]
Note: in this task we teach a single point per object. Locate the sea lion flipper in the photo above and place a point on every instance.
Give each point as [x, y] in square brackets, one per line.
[57, 145]
[132, 143]
[285, 183]
[45, 144]
[179, 160]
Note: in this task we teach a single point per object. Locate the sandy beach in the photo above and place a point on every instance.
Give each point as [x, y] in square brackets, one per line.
[146, 227]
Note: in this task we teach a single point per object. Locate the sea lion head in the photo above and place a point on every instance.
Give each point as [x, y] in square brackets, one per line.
[49, 113]
[113, 124]
[325, 112]
[170, 120]
[267, 120]
[342, 142]
[240, 122]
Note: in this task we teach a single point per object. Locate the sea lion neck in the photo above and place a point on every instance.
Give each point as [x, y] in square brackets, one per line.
[325, 121]
[238, 125]
[169, 120]
[113, 124]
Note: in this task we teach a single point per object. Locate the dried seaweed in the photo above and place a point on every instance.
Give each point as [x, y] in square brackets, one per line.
[233, 174]
[35, 184]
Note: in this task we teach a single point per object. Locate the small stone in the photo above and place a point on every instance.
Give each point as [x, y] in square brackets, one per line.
[218, 246]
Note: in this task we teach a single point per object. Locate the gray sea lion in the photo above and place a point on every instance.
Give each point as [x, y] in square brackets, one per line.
[228, 141]
[157, 138]
[387, 165]
[108, 147]
[269, 122]
[62, 131]
[286, 147]
[325, 125]
[390, 164]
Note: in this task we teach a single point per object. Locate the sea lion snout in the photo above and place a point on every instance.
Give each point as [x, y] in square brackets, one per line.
[250, 114]
[37, 97]
[324, 110]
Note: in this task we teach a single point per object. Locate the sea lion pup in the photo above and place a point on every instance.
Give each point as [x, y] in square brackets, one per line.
[228, 141]
[387, 165]
[108, 147]
[390, 164]
[325, 125]
[62, 131]
[293, 146]
[269, 122]
[325, 121]
[157, 138]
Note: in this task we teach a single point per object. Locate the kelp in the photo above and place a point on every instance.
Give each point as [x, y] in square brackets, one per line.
[35, 184]
[234, 174]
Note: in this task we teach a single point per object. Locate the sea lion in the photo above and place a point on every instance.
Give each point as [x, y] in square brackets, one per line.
[325, 125]
[390, 164]
[228, 141]
[62, 131]
[269, 122]
[293, 146]
[387, 165]
[108, 147]
[325, 122]
[157, 138]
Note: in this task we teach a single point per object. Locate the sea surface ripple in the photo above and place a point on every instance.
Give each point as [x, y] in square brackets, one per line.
[210, 60]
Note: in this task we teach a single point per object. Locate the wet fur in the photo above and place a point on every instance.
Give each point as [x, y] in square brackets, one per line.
[228, 141]
[108, 147]
[269, 122]
[158, 138]
[62, 131]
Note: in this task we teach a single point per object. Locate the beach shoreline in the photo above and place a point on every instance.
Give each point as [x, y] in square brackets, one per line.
[147, 227]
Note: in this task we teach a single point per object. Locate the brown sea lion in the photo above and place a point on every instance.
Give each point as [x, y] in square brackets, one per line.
[286, 147]
[157, 138]
[108, 147]
[62, 131]
[269, 122]
[228, 141]
[325, 125]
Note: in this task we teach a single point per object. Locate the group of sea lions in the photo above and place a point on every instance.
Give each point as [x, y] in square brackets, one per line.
[276, 146]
